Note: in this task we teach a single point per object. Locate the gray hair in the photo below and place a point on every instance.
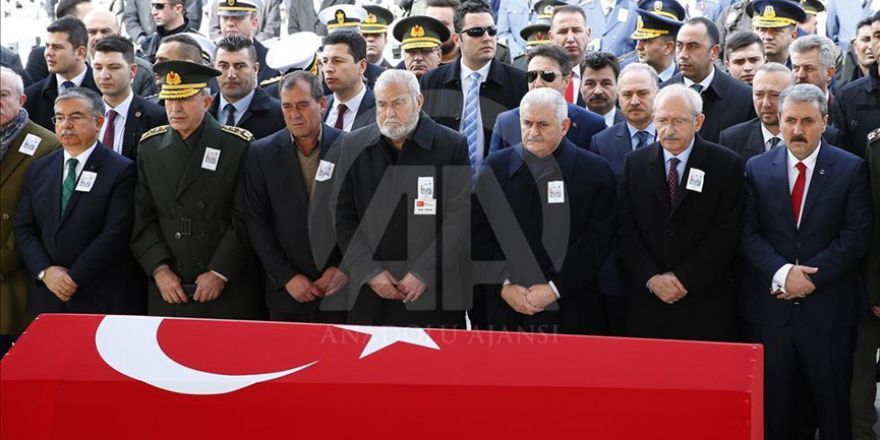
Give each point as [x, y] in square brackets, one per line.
[17, 83]
[655, 79]
[547, 96]
[96, 103]
[679, 90]
[316, 90]
[804, 93]
[773, 67]
[815, 42]
[394, 76]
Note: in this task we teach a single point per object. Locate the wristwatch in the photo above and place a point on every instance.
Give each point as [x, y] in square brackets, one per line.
[41, 275]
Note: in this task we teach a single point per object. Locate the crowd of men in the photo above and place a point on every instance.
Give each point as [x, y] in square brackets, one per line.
[649, 169]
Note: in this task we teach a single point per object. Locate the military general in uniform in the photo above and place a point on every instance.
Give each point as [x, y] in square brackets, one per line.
[189, 232]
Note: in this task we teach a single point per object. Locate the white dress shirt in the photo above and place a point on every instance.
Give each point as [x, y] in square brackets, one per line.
[82, 158]
[682, 160]
[668, 73]
[466, 81]
[118, 124]
[791, 165]
[609, 117]
[352, 105]
[652, 134]
[706, 82]
[78, 80]
[240, 106]
[768, 136]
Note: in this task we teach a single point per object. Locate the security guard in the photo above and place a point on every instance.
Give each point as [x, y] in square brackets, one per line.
[656, 29]
[243, 19]
[349, 18]
[189, 232]
[293, 52]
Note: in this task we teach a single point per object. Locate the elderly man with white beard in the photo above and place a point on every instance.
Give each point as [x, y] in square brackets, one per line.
[401, 191]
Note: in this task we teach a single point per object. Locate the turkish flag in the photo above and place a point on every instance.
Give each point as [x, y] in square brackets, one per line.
[97, 377]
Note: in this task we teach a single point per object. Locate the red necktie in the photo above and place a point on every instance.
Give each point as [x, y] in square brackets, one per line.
[340, 116]
[569, 91]
[110, 132]
[797, 193]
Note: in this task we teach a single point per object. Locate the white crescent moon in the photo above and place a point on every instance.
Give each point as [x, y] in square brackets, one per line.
[129, 345]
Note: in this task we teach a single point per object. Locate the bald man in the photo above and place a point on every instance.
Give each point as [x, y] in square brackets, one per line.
[101, 23]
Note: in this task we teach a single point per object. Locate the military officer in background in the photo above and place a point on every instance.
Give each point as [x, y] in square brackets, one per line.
[375, 31]
[535, 34]
[656, 29]
[420, 38]
[189, 233]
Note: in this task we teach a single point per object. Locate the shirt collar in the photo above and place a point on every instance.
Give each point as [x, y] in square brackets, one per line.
[83, 157]
[78, 80]
[668, 73]
[768, 135]
[609, 117]
[484, 71]
[241, 105]
[706, 82]
[651, 129]
[122, 108]
[809, 161]
[683, 156]
[354, 102]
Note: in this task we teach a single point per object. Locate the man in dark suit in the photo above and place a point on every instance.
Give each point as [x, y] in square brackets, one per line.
[680, 207]
[638, 85]
[128, 116]
[343, 63]
[75, 218]
[725, 100]
[240, 103]
[290, 228]
[761, 134]
[66, 56]
[242, 18]
[402, 228]
[468, 95]
[570, 30]
[549, 66]
[189, 233]
[858, 103]
[807, 228]
[569, 240]
[598, 86]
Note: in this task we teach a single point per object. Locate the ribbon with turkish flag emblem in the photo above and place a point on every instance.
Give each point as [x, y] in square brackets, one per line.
[97, 377]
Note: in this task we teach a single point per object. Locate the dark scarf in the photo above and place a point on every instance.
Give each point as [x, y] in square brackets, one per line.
[11, 132]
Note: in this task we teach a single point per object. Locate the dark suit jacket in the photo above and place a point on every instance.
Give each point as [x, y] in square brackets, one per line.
[503, 89]
[747, 139]
[584, 124]
[696, 239]
[366, 113]
[41, 98]
[142, 116]
[90, 238]
[262, 118]
[834, 235]
[10, 59]
[405, 242]
[282, 220]
[266, 72]
[726, 102]
[858, 111]
[584, 226]
[372, 73]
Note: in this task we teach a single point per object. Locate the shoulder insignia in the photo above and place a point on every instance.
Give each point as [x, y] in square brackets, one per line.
[874, 135]
[270, 81]
[240, 132]
[154, 131]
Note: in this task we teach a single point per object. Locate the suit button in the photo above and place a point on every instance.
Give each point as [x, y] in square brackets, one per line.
[200, 205]
[5, 216]
[177, 235]
[797, 245]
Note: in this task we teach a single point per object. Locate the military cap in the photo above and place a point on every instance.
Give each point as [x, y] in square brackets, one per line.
[182, 79]
[420, 32]
[544, 8]
[343, 17]
[670, 9]
[207, 46]
[656, 22]
[297, 51]
[536, 33]
[377, 21]
[812, 7]
[238, 8]
[775, 13]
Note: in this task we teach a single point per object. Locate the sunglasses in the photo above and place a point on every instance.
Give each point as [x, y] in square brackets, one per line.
[546, 75]
[159, 6]
[476, 32]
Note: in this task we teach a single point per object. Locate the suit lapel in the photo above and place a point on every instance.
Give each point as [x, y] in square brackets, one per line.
[755, 143]
[13, 157]
[132, 122]
[694, 161]
[657, 173]
[818, 180]
[288, 160]
[92, 165]
[779, 185]
[623, 146]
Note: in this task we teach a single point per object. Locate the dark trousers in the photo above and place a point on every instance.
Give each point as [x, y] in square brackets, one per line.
[614, 308]
[823, 358]
[864, 381]
[313, 317]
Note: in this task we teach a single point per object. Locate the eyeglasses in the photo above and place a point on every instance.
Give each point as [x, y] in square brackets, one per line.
[546, 75]
[73, 119]
[675, 122]
[160, 6]
[476, 32]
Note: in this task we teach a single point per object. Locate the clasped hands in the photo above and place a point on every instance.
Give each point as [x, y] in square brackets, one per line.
[303, 290]
[798, 283]
[528, 301]
[408, 289]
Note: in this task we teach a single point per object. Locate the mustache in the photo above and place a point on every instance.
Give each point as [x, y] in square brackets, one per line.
[797, 138]
[68, 132]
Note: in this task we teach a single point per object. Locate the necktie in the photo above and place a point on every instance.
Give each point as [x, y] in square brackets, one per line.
[470, 127]
[797, 193]
[68, 85]
[69, 183]
[110, 132]
[774, 142]
[569, 92]
[230, 114]
[641, 139]
[340, 117]
[697, 88]
[672, 180]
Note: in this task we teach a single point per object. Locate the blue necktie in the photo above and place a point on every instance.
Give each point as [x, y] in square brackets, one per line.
[471, 123]
[641, 139]
[68, 85]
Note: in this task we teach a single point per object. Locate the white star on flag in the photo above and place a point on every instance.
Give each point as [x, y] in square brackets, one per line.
[381, 337]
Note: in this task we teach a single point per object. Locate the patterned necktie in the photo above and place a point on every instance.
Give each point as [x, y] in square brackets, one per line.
[672, 180]
[641, 139]
[68, 85]
[471, 126]
[797, 193]
[340, 116]
[774, 142]
[69, 182]
[230, 114]
[697, 88]
[110, 132]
